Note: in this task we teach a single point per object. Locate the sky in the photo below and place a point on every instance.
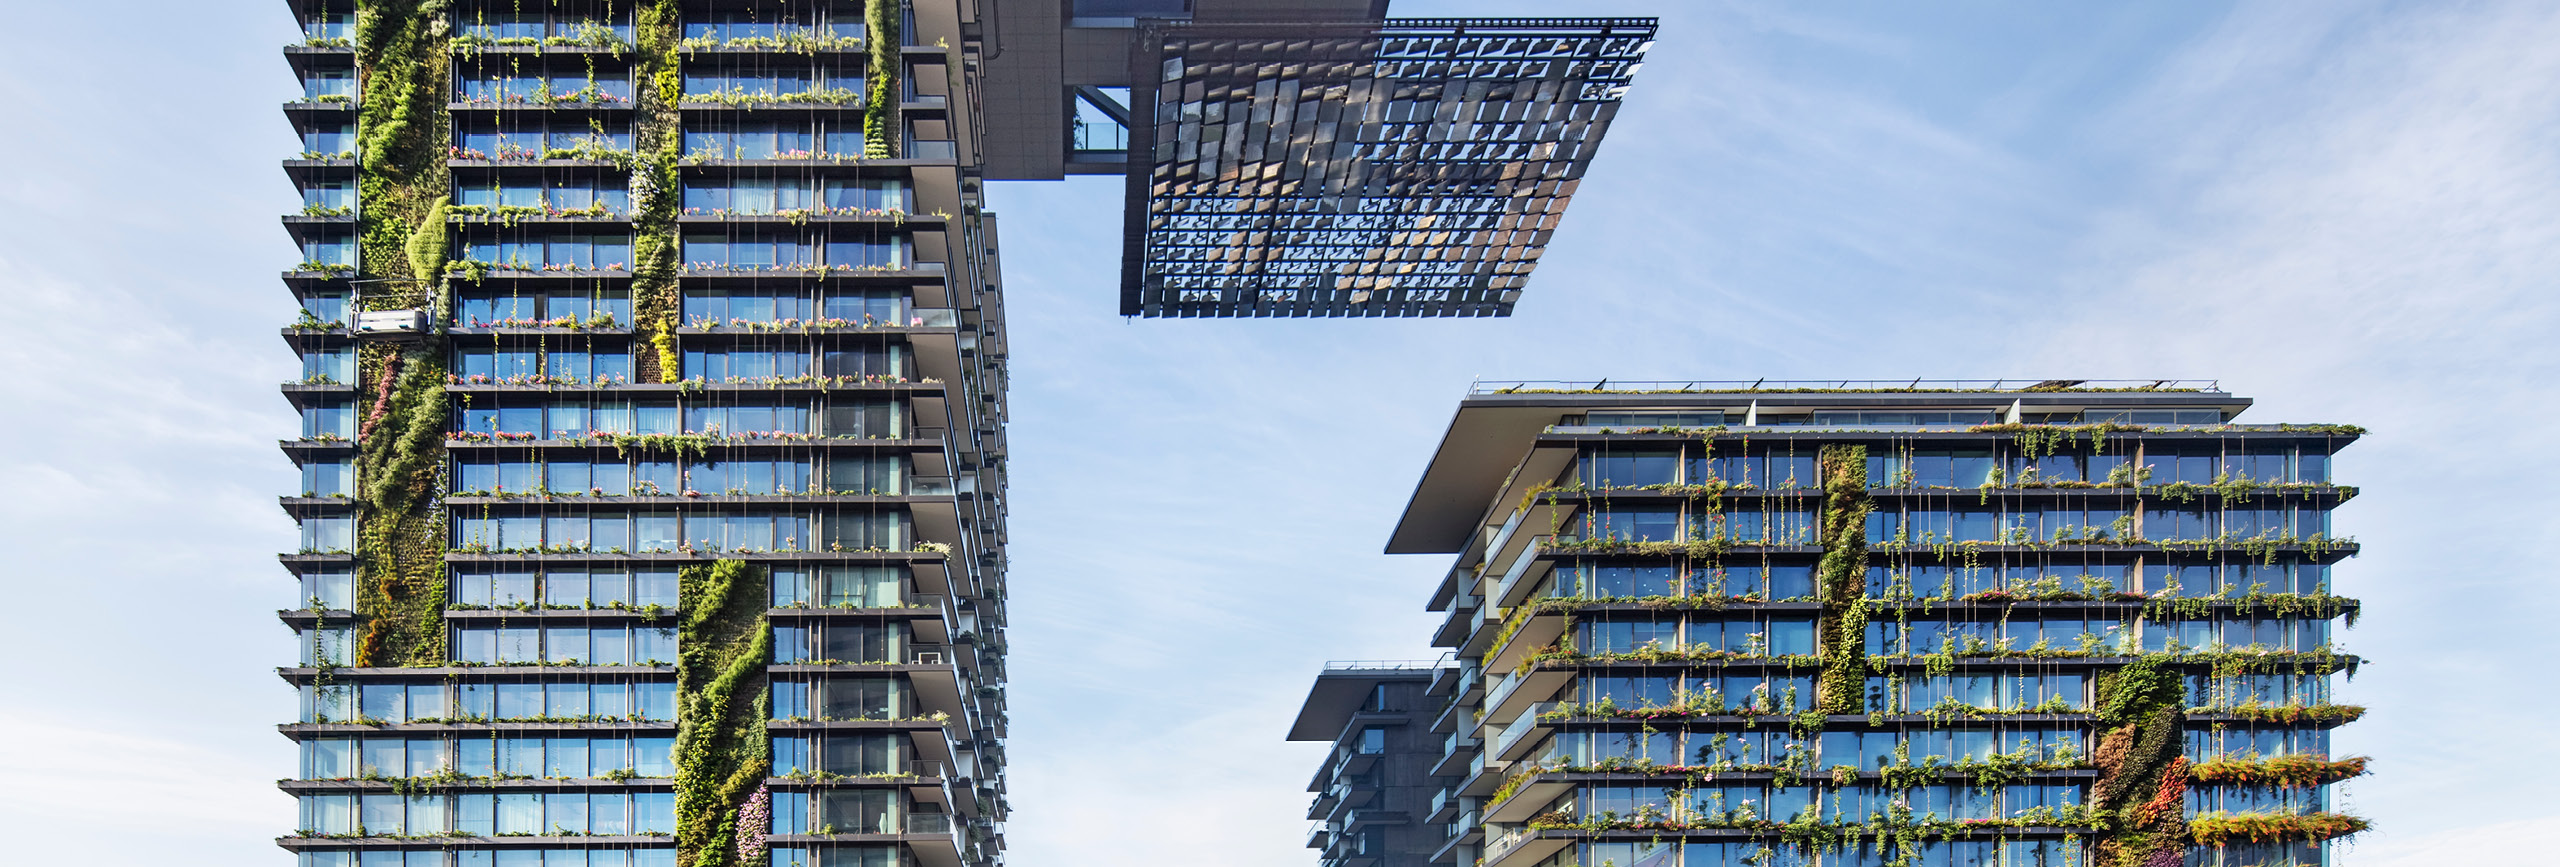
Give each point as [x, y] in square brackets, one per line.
[2347, 210]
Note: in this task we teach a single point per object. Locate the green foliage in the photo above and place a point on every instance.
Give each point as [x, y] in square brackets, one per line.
[2218, 828]
[1841, 578]
[2136, 691]
[657, 307]
[427, 243]
[880, 109]
[2287, 771]
[2142, 779]
[402, 50]
[400, 553]
[722, 752]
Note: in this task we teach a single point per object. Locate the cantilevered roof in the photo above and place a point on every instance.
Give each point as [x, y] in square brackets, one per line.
[1340, 690]
[1497, 424]
[1410, 167]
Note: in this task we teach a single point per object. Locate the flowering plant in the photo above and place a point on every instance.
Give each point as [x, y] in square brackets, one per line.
[755, 819]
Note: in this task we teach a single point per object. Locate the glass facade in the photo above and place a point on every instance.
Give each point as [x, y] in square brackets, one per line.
[1992, 631]
[560, 447]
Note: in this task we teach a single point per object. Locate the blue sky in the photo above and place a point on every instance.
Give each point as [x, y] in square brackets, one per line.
[2347, 210]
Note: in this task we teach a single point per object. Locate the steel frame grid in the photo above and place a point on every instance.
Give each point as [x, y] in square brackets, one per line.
[1339, 176]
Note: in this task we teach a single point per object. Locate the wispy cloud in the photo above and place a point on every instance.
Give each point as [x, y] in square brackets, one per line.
[2357, 217]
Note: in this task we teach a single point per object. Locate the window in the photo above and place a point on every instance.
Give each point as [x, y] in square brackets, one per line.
[328, 535]
[521, 307]
[762, 196]
[838, 856]
[328, 142]
[1609, 581]
[2254, 742]
[589, 195]
[2151, 416]
[492, 87]
[533, 138]
[840, 587]
[1930, 468]
[1960, 524]
[328, 590]
[329, 420]
[765, 140]
[1626, 636]
[328, 197]
[328, 479]
[1630, 469]
[593, 363]
[478, 587]
[851, 754]
[1641, 420]
[822, 20]
[724, 306]
[704, 250]
[329, 25]
[335, 84]
[329, 251]
[746, 419]
[1632, 524]
[841, 643]
[569, 418]
[326, 646]
[816, 82]
[564, 251]
[336, 366]
[1769, 526]
[559, 645]
[846, 698]
[1873, 418]
[530, 701]
[532, 28]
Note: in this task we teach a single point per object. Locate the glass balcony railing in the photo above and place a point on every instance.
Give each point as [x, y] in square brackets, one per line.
[1528, 721]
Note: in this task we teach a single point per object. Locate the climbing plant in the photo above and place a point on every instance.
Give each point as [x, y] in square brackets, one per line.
[880, 82]
[2142, 778]
[657, 305]
[1842, 575]
[722, 752]
[402, 51]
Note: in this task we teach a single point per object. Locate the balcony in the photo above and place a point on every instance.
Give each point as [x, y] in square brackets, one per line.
[1522, 733]
[1525, 846]
[1444, 807]
[1517, 691]
[1483, 776]
[927, 149]
[1455, 754]
[1537, 629]
[1461, 622]
[1530, 796]
[1320, 835]
[1524, 573]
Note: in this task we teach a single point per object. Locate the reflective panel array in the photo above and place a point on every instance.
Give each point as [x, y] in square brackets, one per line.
[1407, 168]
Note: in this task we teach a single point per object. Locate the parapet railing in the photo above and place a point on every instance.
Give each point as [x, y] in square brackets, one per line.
[1544, 386]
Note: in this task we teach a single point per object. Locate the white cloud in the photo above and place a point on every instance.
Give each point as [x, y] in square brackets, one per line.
[79, 791]
[2522, 842]
[2356, 217]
